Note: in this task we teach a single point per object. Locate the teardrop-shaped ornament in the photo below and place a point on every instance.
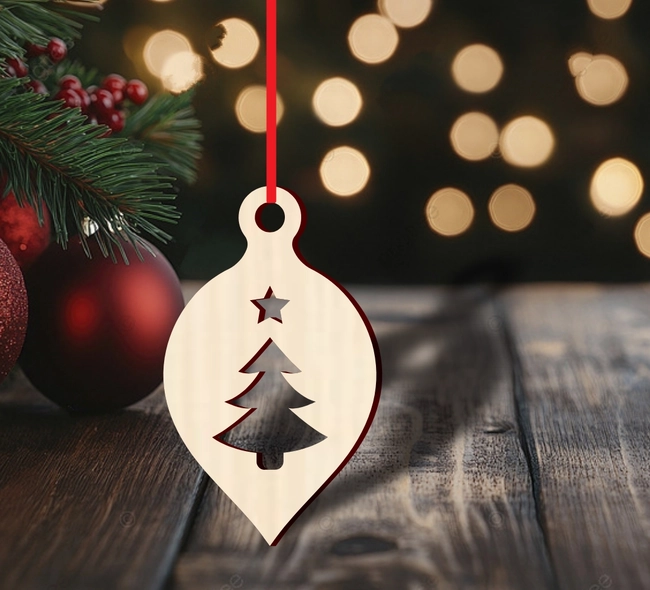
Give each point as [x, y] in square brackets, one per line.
[272, 374]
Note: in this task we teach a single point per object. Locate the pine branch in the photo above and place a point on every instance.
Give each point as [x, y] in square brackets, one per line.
[35, 21]
[51, 155]
[166, 126]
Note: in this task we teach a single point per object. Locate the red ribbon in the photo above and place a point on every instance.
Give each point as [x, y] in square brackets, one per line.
[271, 93]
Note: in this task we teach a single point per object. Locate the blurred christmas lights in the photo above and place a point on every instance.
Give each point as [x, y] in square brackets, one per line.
[239, 46]
[526, 142]
[449, 212]
[474, 136]
[337, 102]
[477, 68]
[344, 171]
[511, 208]
[250, 108]
[373, 38]
[616, 187]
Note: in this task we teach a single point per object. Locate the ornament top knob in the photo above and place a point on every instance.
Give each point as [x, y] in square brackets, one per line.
[249, 219]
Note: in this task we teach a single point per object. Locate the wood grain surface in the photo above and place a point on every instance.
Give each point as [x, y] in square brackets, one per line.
[510, 451]
[583, 375]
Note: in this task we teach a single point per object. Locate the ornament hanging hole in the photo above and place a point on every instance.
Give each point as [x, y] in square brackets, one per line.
[270, 217]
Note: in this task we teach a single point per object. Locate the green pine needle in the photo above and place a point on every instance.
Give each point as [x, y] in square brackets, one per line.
[34, 21]
[51, 155]
[167, 128]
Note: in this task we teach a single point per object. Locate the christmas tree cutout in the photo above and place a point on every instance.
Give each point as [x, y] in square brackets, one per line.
[270, 429]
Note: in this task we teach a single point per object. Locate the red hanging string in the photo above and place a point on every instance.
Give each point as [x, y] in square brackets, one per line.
[271, 93]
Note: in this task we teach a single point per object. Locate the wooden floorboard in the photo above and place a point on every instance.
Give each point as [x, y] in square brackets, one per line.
[584, 397]
[90, 502]
[438, 496]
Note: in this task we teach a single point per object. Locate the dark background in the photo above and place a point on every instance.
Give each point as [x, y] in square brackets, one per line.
[410, 103]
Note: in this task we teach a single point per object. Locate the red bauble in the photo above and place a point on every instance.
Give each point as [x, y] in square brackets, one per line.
[13, 311]
[98, 330]
[20, 230]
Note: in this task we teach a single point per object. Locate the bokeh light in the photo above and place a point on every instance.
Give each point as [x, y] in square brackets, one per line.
[616, 187]
[239, 46]
[405, 14]
[511, 208]
[250, 108]
[373, 38]
[609, 9]
[642, 235]
[181, 71]
[474, 136]
[527, 142]
[161, 46]
[345, 171]
[449, 212]
[600, 79]
[477, 68]
[337, 102]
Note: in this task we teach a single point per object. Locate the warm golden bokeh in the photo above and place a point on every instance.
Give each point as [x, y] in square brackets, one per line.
[337, 102]
[250, 108]
[240, 45]
[405, 14]
[449, 212]
[181, 71]
[511, 208]
[642, 235]
[477, 68]
[609, 9]
[474, 136]
[526, 142]
[600, 79]
[161, 46]
[373, 38]
[344, 171]
[616, 187]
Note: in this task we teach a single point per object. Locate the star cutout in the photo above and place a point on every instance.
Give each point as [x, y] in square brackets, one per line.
[270, 307]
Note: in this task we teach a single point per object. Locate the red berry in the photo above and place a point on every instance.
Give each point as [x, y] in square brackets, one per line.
[34, 50]
[9, 71]
[85, 99]
[116, 121]
[102, 101]
[116, 85]
[137, 91]
[71, 82]
[37, 86]
[70, 98]
[114, 82]
[57, 49]
[18, 67]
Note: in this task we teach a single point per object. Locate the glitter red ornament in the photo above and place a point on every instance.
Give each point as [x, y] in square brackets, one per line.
[98, 330]
[20, 229]
[13, 310]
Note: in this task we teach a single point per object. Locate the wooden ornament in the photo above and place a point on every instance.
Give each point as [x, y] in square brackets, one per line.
[272, 374]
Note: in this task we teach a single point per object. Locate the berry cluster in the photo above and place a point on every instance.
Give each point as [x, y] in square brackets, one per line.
[102, 105]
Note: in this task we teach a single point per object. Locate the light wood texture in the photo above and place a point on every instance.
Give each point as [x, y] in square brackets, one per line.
[323, 348]
[439, 494]
[584, 397]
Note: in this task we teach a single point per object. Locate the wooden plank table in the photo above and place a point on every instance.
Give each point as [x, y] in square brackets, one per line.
[511, 449]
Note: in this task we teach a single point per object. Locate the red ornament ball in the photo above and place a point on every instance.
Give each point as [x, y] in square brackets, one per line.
[26, 238]
[13, 311]
[98, 330]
